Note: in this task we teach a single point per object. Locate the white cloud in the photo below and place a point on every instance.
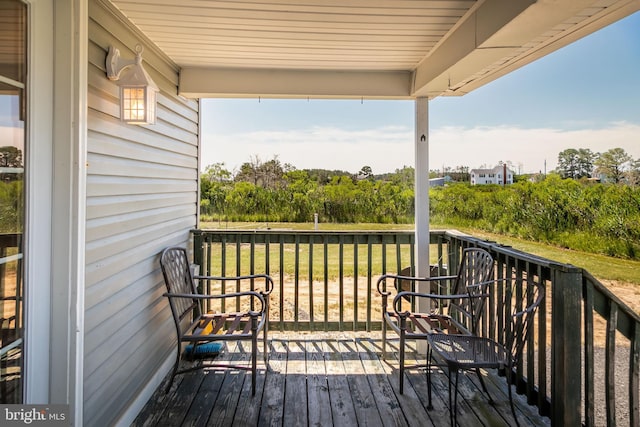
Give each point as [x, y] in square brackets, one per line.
[388, 148]
[526, 147]
[11, 136]
[384, 149]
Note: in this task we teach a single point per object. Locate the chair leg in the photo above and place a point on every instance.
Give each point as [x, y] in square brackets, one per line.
[513, 408]
[265, 348]
[454, 420]
[384, 337]
[484, 387]
[175, 369]
[254, 356]
[266, 329]
[429, 384]
[402, 342]
[451, 408]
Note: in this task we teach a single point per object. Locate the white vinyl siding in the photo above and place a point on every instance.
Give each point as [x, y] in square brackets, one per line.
[142, 188]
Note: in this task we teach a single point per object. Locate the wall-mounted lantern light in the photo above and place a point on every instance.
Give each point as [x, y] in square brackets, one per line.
[137, 89]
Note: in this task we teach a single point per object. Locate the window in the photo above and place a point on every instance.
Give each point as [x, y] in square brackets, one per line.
[12, 197]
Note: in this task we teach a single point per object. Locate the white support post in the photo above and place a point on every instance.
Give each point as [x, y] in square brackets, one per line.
[422, 203]
[422, 188]
[71, 39]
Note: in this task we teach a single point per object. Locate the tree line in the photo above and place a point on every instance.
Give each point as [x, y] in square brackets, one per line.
[587, 216]
[571, 212]
[271, 191]
[614, 165]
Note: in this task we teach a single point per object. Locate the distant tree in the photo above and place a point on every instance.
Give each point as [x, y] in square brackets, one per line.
[271, 173]
[633, 174]
[324, 176]
[613, 164]
[215, 183]
[461, 174]
[249, 171]
[405, 176]
[366, 172]
[10, 157]
[216, 172]
[576, 163]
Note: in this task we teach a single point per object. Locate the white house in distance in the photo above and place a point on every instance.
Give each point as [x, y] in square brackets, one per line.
[491, 176]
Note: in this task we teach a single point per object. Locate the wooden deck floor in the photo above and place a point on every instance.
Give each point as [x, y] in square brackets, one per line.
[334, 379]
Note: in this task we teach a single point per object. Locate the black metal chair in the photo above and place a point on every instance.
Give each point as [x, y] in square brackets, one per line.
[520, 300]
[197, 328]
[453, 314]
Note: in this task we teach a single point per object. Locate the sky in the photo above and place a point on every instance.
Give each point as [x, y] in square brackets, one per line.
[585, 95]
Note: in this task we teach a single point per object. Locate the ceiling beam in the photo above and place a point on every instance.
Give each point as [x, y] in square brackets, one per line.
[497, 38]
[610, 14]
[466, 50]
[280, 83]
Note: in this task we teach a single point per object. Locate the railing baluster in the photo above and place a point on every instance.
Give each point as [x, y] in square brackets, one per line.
[223, 270]
[296, 292]
[542, 349]
[412, 262]
[369, 276]
[530, 368]
[384, 257]
[267, 254]
[311, 325]
[634, 377]
[610, 364]
[519, 303]
[281, 265]
[355, 283]
[341, 281]
[252, 265]
[325, 244]
[589, 393]
[238, 268]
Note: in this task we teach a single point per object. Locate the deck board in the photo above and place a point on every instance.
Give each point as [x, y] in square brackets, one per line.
[343, 413]
[337, 379]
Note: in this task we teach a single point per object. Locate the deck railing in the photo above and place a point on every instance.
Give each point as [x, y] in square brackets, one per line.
[325, 281]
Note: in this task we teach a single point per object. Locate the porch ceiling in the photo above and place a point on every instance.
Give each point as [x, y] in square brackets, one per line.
[359, 48]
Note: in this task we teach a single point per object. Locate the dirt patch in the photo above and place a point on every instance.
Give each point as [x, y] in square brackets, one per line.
[629, 293]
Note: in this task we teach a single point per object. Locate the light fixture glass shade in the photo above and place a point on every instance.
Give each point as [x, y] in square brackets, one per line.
[137, 89]
[137, 96]
[137, 104]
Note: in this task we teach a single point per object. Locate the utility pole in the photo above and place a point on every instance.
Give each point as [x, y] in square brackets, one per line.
[504, 175]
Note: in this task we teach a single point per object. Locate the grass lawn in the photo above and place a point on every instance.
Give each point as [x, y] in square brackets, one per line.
[602, 267]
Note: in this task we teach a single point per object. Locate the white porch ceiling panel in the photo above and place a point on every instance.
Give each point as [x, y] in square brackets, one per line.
[359, 48]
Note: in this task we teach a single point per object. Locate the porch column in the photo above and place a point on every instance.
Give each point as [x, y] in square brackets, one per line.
[69, 205]
[422, 189]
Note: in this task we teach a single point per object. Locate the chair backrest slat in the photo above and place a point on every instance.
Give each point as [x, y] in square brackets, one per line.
[522, 297]
[476, 267]
[179, 280]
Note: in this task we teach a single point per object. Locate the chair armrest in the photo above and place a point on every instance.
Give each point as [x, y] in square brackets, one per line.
[384, 277]
[269, 280]
[252, 294]
[407, 294]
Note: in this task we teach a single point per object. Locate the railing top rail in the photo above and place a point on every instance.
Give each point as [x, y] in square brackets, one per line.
[360, 235]
[277, 231]
[509, 251]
